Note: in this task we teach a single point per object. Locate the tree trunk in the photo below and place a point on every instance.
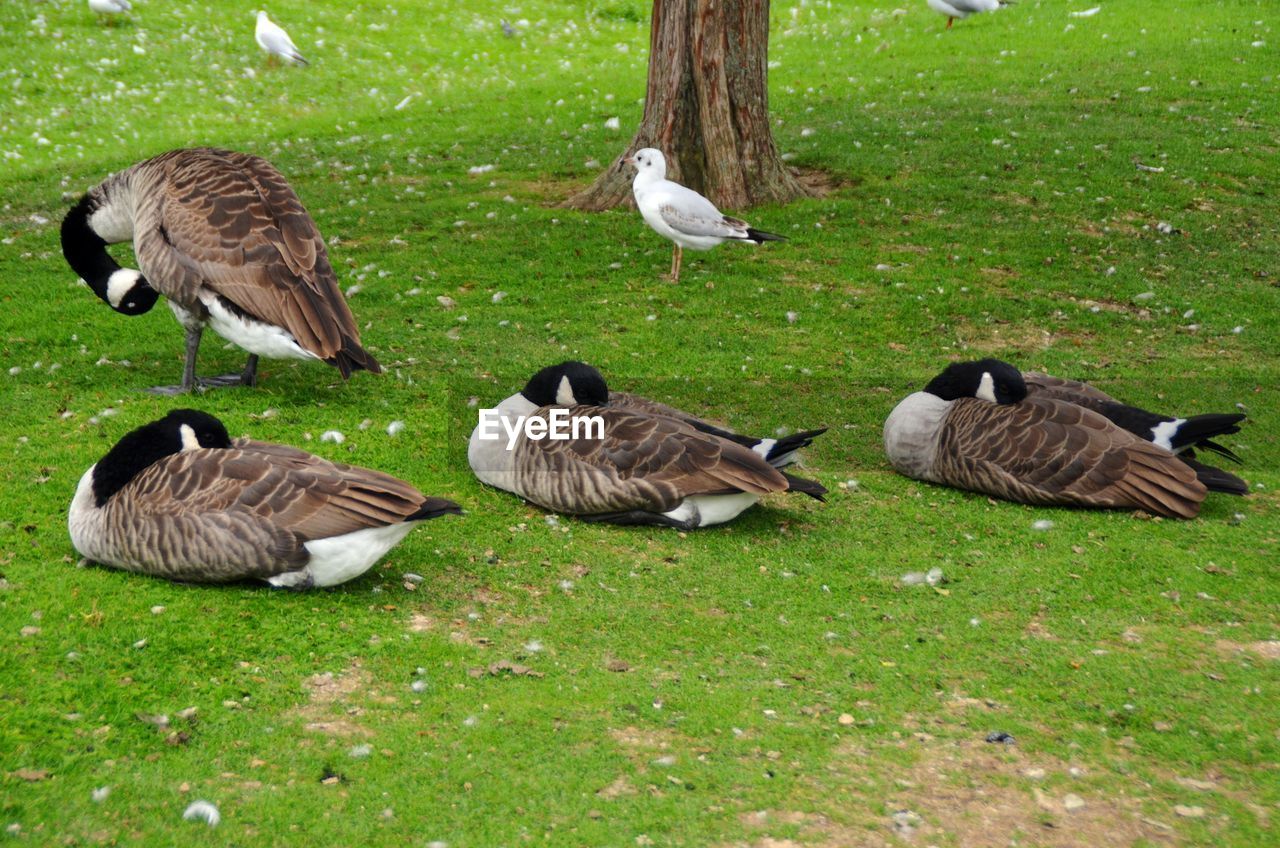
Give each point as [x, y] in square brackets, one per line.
[706, 108]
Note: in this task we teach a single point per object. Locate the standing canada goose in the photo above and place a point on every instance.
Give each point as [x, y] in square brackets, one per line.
[272, 38]
[226, 240]
[681, 214]
[636, 468]
[178, 498]
[963, 8]
[976, 427]
[779, 452]
[1181, 436]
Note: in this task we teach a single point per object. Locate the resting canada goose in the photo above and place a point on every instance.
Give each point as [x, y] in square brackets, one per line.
[963, 8]
[634, 468]
[976, 427]
[178, 498]
[681, 214]
[779, 452]
[1181, 436]
[226, 240]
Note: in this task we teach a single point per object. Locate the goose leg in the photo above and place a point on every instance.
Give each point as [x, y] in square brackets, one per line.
[188, 367]
[950, 21]
[247, 377]
[675, 263]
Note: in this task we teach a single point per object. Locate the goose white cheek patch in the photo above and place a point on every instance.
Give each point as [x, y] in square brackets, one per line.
[119, 284]
[189, 440]
[986, 388]
[564, 393]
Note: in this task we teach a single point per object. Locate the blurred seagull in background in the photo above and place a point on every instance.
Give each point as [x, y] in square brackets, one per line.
[276, 41]
[110, 8]
[963, 8]
[681, 214]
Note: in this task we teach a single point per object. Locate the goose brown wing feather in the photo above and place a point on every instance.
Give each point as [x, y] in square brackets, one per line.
[1072, 391]
[1052, 452]
[231, 223]
[643, 462]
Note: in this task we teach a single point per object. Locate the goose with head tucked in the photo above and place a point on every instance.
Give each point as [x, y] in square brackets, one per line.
[975, 426]
[179, 498]
[226, 240]
[681, 214]
[624, 466]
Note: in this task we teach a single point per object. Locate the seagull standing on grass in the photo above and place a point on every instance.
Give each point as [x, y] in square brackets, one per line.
[110, 7]
[681, 214]
[276, 41]
[962, 8]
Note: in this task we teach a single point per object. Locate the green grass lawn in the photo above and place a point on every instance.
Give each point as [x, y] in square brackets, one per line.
[767, 683]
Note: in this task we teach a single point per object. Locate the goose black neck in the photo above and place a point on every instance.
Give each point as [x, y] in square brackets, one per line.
[141, 448]
[85, 250]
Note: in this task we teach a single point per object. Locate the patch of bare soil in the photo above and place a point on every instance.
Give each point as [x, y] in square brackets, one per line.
[331, 693]
[967, 793]
[1268, 649]
[998, 338]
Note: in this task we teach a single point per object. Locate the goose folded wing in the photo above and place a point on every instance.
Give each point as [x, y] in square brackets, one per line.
[650, 462]
[231, 223]
[1072, 391]
[1047, 451]
[626, 400]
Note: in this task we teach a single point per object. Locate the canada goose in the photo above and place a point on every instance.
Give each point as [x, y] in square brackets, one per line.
[636, 468]
[976, 427]
[963, 8]
[681, 214]
[273, 39]
[226, 240]
[1181, 436]
[109, 8]
[178, 498]
[779, 452]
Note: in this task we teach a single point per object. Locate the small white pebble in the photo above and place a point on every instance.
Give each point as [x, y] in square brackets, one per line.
[100, 794]
[394, 427]
[202, 811]
[418, 686]
[332, 436]
[158, 609]
[792, 316]
[365, 424]
[533, 646]
[140, 644]
[360, 751]
[1042, 524]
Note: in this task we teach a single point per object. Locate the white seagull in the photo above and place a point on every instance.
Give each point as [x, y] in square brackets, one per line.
[110, 7]
[962, 8]
[276, 41]
[681, 214]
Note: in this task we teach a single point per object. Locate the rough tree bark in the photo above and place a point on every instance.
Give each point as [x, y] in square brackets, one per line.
[706, 108]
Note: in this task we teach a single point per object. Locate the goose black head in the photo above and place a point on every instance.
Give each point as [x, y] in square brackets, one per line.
[985, 379]
[567, 384]
[180, 430]
[124, 289]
